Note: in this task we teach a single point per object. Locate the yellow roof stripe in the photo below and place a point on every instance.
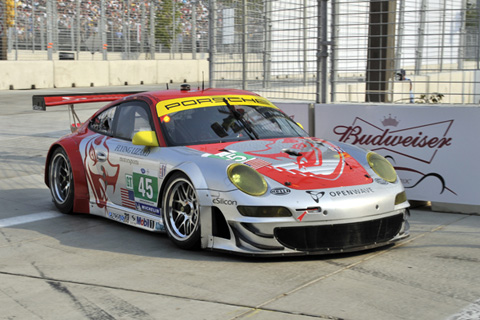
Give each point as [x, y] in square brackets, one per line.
[180, 104]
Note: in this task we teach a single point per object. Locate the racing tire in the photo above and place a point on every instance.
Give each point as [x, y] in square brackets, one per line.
[60, 179]
[181, 212]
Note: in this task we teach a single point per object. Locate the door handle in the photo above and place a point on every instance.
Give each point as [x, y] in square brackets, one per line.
[101, 156]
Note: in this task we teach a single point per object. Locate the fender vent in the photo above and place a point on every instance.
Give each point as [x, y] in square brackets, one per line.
[219, 224]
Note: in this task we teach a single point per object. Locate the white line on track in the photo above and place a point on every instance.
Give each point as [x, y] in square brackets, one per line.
[471, 312]
[13, 221]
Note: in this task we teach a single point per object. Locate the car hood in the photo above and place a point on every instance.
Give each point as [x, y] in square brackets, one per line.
[298, 163]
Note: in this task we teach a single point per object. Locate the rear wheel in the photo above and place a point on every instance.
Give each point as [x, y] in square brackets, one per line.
[181, 212]
[60, 178]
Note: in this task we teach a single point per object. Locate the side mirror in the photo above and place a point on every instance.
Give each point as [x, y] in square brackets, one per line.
[145, 138]
[300, 125]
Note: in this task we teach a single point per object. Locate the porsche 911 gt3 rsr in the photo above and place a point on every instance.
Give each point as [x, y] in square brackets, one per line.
[224, 170]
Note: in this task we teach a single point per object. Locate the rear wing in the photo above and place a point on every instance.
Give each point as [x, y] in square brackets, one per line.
[41, 102]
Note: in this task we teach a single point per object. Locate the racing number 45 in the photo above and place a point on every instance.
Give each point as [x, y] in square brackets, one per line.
[145, 187]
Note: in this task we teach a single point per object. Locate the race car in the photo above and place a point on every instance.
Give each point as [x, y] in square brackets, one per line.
[222, 169]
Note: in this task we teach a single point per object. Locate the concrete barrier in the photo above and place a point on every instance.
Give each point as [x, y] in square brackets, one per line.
[26, 74]
[80, 73]
[62, 74]
[132, 72]
[182, 70]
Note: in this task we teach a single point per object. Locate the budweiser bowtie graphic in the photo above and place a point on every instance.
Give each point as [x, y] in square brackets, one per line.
[415, 143]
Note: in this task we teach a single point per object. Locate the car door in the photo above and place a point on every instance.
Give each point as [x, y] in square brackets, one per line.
[137, 186]
[100, 172]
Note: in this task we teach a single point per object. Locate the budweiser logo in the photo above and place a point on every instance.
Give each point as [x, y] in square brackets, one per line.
[355, 135]
[431, 136]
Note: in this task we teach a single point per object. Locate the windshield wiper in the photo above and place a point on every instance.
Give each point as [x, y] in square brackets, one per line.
[239, 117]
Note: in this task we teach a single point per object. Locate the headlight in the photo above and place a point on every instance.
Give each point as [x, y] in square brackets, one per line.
[400, 198]
[382, 167]
[247, 179]
[261, 212]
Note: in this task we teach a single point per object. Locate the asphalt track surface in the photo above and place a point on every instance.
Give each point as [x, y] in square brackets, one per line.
[55, 266]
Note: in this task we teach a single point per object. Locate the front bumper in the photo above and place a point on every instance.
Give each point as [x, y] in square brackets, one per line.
[290, 238]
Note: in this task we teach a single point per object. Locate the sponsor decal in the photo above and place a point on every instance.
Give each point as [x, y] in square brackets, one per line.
[173, 105]
[148, 223]
[280, 191]
[129, 181]
[230, 155]
[148, 209]
[118, 217]
[162, 171]
[236, 156]
[133, 150]
[352, 192]
[380, 181]
[316, 195]
[129, 161]
[145, 187]
[159, 227]
[224, 202]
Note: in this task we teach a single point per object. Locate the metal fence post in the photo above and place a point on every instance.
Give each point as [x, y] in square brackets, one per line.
[49, 30]
[304, 44]
[193, 32]
[77, 20]
[400, 31]
[103, 32]
[333, 59]
[322, 53]
[267, 46]
[421, 36]
[244, 45]
[461, 45]
[478, 34]
[16, 33]
[33, 28]
[212, 49]
[152, 30]
[142, 28]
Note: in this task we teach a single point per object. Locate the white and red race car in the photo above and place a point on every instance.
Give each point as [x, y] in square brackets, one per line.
[225, 170]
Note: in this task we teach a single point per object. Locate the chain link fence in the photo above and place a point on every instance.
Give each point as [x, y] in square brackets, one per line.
[402, 51]
[104, 29]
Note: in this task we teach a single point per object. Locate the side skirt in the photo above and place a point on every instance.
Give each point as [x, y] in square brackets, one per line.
[143, 220]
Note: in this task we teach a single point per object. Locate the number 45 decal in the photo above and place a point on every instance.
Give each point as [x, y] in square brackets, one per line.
[145, 187]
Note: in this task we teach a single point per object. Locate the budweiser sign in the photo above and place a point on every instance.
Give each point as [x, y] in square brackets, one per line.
[403, 146]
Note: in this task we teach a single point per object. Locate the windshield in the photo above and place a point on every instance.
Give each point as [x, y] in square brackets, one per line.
[227, 123]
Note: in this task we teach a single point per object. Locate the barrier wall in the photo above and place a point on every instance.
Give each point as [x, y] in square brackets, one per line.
[61, 74]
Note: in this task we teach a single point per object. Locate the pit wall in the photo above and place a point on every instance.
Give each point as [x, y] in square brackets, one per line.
[62, 74]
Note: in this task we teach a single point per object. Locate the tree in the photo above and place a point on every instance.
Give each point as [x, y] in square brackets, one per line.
[167, 22]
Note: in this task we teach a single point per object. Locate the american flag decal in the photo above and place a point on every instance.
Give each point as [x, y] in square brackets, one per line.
[257, 163]
[128, 199]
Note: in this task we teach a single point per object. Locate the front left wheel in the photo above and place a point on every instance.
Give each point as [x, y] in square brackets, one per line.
[181, 212]
[60, 178]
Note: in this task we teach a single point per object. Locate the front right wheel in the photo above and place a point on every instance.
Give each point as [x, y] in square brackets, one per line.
[181, 212]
